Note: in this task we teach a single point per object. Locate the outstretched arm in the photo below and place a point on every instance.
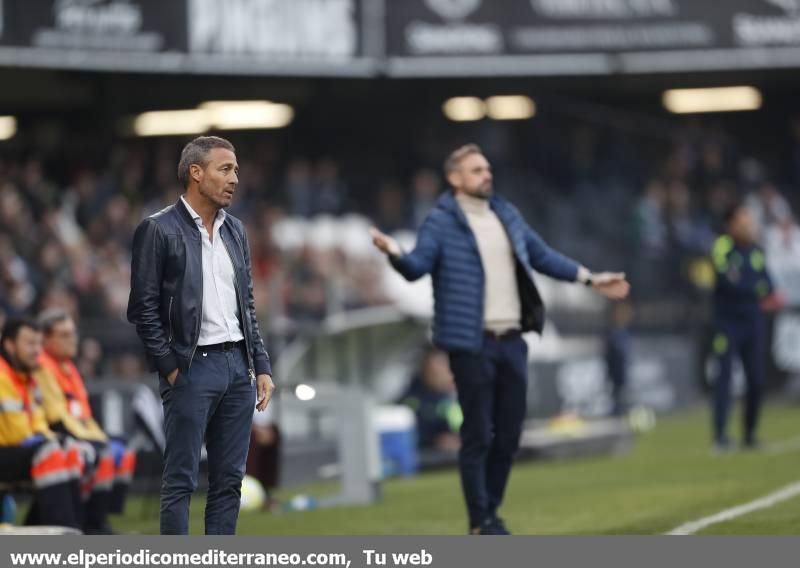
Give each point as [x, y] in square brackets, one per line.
[548, 261]
[418, 262]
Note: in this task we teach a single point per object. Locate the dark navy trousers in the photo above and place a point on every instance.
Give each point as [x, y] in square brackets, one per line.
[746, 340]
[213, 402]
[492, 388]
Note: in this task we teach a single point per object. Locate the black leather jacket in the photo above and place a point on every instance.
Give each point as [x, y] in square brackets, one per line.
[166, 298]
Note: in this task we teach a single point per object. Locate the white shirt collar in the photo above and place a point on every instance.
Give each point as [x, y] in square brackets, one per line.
[199, 221]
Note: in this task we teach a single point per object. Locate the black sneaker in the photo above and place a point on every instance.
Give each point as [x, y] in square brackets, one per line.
[500, 526]
[487, 527]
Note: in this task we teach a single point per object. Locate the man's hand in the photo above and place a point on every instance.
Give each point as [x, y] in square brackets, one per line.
[172, 377]
[264, 388]
[773, 303]
[611, 284]
[384, 243]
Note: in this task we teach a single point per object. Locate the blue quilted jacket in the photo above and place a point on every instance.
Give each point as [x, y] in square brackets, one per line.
[446, 248]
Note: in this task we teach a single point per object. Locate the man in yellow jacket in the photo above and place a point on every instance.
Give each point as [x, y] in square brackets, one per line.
[29, 450]
[67, 410]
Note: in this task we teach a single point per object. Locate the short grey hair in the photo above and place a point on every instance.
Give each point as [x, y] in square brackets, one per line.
[48, 319]
[455, 158]
[196, 152]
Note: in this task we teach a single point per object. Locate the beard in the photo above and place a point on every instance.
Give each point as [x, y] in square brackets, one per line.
[22, 366]
[481, 192]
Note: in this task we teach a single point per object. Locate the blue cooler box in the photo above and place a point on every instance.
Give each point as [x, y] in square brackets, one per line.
[397, 431]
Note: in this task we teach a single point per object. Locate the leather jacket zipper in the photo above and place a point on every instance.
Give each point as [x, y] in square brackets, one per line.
[242, 312]
[200, 320]
[169, 317]
[197, 333]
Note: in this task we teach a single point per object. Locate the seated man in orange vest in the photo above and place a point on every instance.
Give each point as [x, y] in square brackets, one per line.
[29, 451]
[66, 406]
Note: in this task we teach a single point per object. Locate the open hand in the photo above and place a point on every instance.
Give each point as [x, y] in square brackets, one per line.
[612, 285]
[773, 303]
[384, 243]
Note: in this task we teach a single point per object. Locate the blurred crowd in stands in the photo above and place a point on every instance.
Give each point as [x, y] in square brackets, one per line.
[66, 224]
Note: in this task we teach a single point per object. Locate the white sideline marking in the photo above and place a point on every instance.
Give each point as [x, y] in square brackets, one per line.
[762, 503]
[783, 446]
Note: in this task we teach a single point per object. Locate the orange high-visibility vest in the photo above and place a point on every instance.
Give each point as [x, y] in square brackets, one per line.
[68, 377]
[21, 414]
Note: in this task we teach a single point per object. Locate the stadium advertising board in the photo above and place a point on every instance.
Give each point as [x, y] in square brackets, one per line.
[82, 32]
[318, 37]
[274, 28]
[406, 38]
[589, 36]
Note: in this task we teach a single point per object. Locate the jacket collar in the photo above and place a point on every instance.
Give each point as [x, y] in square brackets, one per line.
[447, 201]
[187, 216]
[198, 221]
[184, 214]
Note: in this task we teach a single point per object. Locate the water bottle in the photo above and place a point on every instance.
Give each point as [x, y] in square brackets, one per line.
[301, 503]
[8, 514]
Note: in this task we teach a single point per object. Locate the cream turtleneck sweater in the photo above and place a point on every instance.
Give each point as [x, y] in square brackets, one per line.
[501, 304]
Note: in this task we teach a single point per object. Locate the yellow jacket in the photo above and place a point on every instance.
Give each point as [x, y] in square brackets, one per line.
[21, 414]
[59, 408]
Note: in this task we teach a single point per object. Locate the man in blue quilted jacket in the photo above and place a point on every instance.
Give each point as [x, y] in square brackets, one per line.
[480, 253]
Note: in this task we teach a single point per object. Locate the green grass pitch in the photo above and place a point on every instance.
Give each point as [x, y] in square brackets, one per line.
[670, 477]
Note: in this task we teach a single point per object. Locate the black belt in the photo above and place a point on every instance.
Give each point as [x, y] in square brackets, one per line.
[509, 334]
[224, 346]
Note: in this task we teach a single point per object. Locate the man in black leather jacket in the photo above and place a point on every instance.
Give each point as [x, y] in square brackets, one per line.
[192, 303]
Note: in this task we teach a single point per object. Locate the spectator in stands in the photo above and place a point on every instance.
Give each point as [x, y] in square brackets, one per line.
[689, 232]
[307, 297]
[18, 293]
[783, 239]
[782, 248]
[768, 208]
[432, 397]
[711, 164]
[330, 192]
[315, 191]
[17, 221]
[59, 208]
[618, 354]
[299, 188]
[426, 186]
[719, 198]
[264, 455]
[391, 211]
[90, 357]
[649, 220]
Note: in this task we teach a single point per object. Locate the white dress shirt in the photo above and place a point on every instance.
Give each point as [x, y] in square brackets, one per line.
[220, 321]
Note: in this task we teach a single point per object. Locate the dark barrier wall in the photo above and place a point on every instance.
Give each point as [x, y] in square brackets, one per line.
[663, 376]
